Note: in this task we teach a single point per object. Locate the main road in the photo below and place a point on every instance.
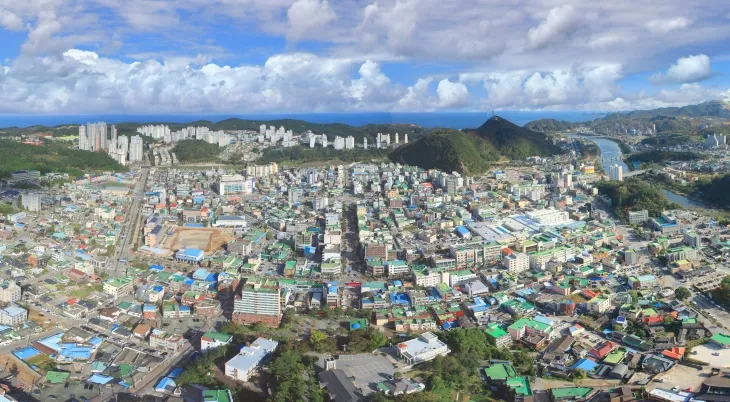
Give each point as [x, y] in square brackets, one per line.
[129, 228]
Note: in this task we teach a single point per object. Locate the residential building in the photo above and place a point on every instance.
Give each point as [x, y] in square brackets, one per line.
[118, 287]
[13, 315]
[10, 292]
[249, 358]
[31, 202]
[162, 340]
[259, 302]
[616, 172]
[498, 335]
[212, 340]
[599, 304]
[516, 262]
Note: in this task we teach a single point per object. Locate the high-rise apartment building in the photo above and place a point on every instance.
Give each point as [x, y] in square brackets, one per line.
[260, 301]
[136, 149]
[616, 172]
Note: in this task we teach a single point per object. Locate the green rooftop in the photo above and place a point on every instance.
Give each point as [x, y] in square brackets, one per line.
[520, 385]
[494, 331]
[218, 336]
[722, 339]
[560, 394]
[500, 371]
[57, 377]
[217, 395]
[526, 322]
[615, 357]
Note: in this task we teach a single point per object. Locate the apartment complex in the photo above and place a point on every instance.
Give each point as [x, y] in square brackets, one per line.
[260, 301]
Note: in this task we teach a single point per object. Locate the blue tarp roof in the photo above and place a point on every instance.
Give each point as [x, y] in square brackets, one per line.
[175, 372]
[26, 353]
[100, 379]
[586, 365]
[157, 267]
[165, 383]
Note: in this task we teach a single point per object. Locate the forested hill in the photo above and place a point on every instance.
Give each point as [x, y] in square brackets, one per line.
[473, 151]
[53, 158]
[513, 141]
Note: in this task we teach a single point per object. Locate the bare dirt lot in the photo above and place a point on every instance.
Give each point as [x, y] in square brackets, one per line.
[206, 239]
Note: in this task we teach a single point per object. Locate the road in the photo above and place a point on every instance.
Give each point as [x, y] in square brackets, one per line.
[129, 228]
[718, 313]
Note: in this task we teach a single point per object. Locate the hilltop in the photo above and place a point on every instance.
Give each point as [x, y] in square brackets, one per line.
[472, 151]
[513, 141]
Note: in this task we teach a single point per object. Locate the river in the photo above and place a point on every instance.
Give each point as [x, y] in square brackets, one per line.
[610, 152]
[610, 149]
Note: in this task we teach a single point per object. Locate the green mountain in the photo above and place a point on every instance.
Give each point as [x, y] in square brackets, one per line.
[448, 150]
[513, 141]
[53, 158]
[473, 151]
[705, 109]
[549, 125]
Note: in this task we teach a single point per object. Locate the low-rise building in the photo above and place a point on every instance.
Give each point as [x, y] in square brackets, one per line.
[422, 349]
[243, 365]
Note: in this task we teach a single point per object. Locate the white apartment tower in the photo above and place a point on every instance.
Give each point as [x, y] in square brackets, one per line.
[616, 172]
[136, 149]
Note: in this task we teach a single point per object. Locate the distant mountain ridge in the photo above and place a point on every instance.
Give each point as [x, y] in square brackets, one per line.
[472, 151]
[685, 120]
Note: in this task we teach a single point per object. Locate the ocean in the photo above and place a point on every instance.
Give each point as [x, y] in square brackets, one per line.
[457, 120]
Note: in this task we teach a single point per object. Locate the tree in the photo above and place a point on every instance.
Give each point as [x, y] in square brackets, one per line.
[578, 374]
[668, 320]
[682, 293]
[398, 375]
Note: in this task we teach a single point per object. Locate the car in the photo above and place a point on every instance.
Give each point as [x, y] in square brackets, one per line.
[716, 354]
[52, 397]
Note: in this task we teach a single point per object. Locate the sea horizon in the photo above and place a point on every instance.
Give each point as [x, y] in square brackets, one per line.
[456, 120]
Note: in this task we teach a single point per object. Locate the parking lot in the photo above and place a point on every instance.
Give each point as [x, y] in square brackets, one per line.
[712, 354]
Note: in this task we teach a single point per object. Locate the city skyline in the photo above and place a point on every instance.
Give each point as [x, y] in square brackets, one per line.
[253, 56]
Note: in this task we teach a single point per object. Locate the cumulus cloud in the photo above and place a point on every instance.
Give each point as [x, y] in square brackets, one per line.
[693, 68]
[83, 82]
[452, 94]
[305, 16]
[523, 89]
[663, 26]
[556, 26]
[10, 21]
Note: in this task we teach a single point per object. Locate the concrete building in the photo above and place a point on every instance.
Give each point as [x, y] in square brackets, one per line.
[13, 315]
[31, 202]
[160, 339]
[118, 287]
[10, 292]
[136, 149]
[638, 217]
[516, 262]
[422, 349]
[616, 172]
[260, 301]
[242, 366]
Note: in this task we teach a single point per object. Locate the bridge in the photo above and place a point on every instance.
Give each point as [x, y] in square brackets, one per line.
[634, 173]
[611, 159]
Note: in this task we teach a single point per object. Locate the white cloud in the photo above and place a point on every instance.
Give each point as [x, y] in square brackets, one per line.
[688, 69]
[556, 26]
[665, 26]
[10, 20]
[452, 94]
[306, 16]
[523, 89]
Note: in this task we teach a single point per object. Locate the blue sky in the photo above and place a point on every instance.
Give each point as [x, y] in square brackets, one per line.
[288, 56]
